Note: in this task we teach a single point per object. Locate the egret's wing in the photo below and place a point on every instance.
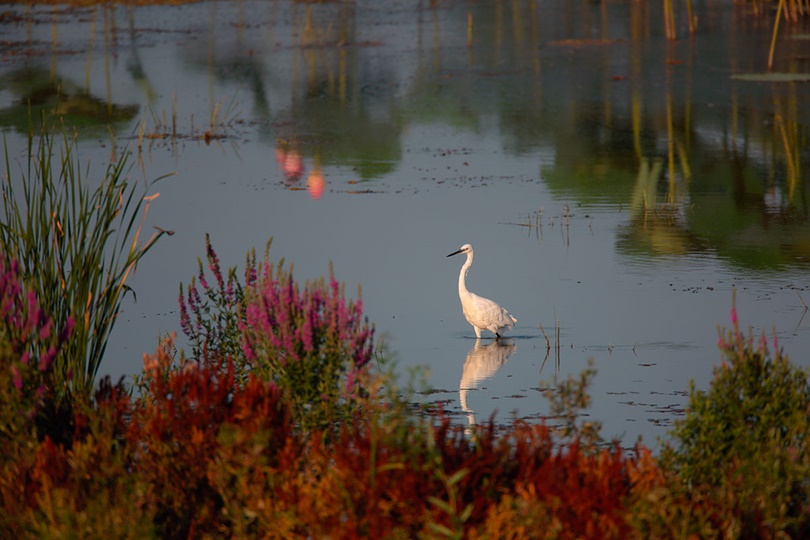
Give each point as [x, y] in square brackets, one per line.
[483, 312]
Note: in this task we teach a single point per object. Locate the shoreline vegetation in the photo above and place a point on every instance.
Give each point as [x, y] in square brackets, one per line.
[284, 419]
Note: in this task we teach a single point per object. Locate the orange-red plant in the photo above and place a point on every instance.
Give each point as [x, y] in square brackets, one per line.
[180, 426]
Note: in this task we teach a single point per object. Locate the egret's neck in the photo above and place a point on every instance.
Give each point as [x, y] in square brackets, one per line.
[462, 285]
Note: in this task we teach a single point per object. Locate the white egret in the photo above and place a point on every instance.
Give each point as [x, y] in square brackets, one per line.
[481, 313]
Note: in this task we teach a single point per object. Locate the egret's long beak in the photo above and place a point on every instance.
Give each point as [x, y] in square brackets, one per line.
[455, 253]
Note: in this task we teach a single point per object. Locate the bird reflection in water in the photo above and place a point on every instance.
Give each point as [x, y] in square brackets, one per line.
[482, 363]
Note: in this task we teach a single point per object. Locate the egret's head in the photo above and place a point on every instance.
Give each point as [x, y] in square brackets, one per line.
[466, 248]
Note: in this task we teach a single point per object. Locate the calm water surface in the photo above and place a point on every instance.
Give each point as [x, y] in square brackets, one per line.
[615, 185]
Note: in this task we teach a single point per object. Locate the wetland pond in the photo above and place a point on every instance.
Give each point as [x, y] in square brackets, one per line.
[617, 187]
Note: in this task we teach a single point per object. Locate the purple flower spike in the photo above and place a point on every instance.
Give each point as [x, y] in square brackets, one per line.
[47, 358]
[213, 263]
[16, 378]
[45, 330]
[229, 294]
[202, 279]
[185, 322]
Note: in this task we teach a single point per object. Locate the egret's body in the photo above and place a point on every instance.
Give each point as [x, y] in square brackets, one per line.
[481, 313]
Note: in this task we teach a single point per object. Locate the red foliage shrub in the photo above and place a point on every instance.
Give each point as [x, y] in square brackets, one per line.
[179, 427]
[376, 481]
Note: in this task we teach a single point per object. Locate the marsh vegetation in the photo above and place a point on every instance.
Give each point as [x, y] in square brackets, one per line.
[641, 169]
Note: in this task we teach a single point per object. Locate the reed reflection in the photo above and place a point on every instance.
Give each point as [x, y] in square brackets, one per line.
[482, 363]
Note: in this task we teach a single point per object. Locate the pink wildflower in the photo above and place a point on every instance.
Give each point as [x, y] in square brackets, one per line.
[45, 331]
[351, 380]
[250, 275]
[250, 356]
[213, 264]
[185, 322]
[229, 294]
[203, 281]
[47, 358]
[16, 378]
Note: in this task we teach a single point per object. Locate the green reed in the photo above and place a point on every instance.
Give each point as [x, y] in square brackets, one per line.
[76, 245]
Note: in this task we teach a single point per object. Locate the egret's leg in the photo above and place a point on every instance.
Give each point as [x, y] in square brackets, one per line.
[497, 335]
[477, 332]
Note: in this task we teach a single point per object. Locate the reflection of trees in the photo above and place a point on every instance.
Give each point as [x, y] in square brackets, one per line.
[482, 363]
[37, 93]
[593, 88]
[742, 204]
[598, 88]
[39, 88]
[331, 103]
[596, 85]
[738, 208]
[348, 136]
[732, 180]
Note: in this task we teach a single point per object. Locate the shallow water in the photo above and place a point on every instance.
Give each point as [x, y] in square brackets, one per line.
[614, 185]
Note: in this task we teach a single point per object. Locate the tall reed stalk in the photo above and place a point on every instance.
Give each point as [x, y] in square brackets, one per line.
[76, 245]
[779, 10]
[669, 20]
